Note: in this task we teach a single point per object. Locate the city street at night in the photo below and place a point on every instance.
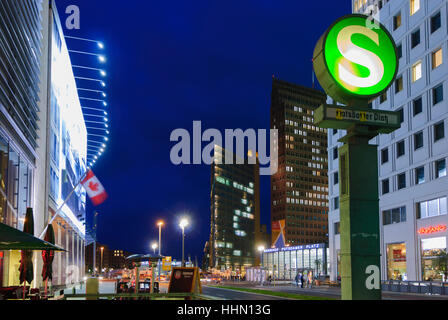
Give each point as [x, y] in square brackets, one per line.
[215, 159]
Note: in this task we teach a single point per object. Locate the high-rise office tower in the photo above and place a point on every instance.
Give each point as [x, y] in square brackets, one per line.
[235, 214]
[412, 176]
[299, 188]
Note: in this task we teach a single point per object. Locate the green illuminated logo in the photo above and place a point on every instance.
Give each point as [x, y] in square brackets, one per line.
[355, 63]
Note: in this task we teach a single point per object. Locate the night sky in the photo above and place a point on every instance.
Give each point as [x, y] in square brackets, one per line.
[170, 63]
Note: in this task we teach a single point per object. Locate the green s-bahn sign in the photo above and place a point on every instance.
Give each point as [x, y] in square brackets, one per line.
[355, 60]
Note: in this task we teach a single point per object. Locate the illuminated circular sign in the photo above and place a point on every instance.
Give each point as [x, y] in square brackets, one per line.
[355, 60]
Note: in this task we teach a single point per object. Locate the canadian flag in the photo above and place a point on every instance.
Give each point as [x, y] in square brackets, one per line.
[94, 188]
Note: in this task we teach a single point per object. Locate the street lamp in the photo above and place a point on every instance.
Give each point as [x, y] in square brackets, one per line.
[183, 223]
[160, 225]
[101, 267]
[154, 247]
[261, 249]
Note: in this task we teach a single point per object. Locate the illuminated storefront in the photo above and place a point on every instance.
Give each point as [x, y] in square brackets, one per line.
[396, 261]
[284, 263]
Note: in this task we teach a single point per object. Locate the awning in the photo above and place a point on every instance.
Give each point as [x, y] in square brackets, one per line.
[13, 239]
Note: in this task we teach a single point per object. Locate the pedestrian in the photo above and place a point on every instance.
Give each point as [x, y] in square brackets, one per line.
[297, 279]
[302, 279]
[310, 279]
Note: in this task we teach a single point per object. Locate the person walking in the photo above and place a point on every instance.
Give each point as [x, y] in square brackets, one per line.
[297, 279]
[310, 279]
[302, 280]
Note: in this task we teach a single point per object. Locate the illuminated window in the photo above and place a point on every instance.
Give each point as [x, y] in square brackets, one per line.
[397, 21]
[237, 253]
[399, 84]
[416, 71]
[415, 6]
[437, 58]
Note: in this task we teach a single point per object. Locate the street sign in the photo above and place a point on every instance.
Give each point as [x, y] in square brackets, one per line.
[355, 60]
[166, 264]
[185, 280]
[342, 117]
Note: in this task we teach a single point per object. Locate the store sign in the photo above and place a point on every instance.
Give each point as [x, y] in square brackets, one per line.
[354, 62]
[432, 229]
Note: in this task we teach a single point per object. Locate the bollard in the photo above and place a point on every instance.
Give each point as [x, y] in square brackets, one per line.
[92, 287]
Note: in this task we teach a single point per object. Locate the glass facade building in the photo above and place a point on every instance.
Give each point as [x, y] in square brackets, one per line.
[299, 189]
[284, 263]
[20, 51]
[234, 214]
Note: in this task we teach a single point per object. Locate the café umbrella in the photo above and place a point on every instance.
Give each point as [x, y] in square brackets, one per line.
[26, 260]
[47, 257]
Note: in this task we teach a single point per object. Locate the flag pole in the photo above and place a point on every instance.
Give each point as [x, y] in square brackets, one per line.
[61, 206]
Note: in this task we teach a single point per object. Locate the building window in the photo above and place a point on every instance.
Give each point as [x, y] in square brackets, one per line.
[401, 180]
[418, 106]
[439, 131]
[399, 51]
[440, 168]
[336, 203]
[396, 261]
[415, 6]
[436, 22]
[335, 178]
[384, 155]
[399, 84]
[392, 216]
[416, 71]
[397, 21]
[437, 58]
[337, 228]
[418, 140]
[400, 149]
[401, 114]
[335, 131]
[434, 262]
[335, 153]
[383, 97]
[437, 94]
[431, 208]
[420, 175]
[385, 186]
[415, 38]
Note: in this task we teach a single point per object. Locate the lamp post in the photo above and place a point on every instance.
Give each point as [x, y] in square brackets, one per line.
[261, 249]
[160, 225]
[183, 223]
[101, 268]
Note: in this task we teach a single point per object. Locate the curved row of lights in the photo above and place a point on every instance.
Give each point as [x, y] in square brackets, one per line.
[96, 117]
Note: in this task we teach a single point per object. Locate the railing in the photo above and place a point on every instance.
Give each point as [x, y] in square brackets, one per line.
[419, 287]
[137, 296]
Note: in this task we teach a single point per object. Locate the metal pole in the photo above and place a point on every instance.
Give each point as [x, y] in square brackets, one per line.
[101, 269]
[94, 258]
[160, 239]
[183, 240]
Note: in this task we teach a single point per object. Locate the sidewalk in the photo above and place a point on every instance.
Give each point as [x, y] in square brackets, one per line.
[331, 292]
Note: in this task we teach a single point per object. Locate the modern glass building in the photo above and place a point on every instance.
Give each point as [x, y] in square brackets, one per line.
[284, 263]
[235, 214]
[412, 176]
[299, 193]
[20, 52]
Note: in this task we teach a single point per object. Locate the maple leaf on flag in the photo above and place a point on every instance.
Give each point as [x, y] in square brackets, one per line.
[93, 186]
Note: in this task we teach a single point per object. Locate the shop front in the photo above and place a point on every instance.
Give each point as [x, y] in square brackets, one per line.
[284, 263]
[396, 261]
[434, 259]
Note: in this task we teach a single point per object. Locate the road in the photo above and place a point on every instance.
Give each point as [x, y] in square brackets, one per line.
[328, 292]
[225, 294]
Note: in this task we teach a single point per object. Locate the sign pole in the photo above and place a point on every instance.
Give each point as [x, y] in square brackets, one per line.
[359, 221]
[337, 60]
